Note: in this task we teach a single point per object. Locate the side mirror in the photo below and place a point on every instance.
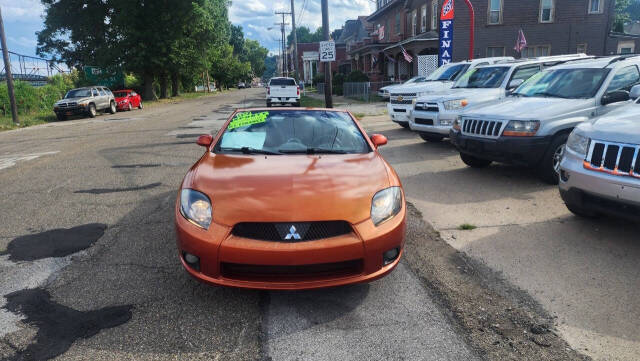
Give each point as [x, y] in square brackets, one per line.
[615, 97]
[635, 92]
[378, 140]
[514, 84]
[205, 140]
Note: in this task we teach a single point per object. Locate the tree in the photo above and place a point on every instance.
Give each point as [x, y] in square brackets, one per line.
[622, 15]
[634, 10]
[305, 35]
[256, 55]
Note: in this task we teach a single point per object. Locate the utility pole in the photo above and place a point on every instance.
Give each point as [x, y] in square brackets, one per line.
[328, 100]
[7, 73]
[295, 41]
[283, 24]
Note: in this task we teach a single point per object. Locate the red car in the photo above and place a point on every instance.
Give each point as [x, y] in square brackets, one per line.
[127, 99]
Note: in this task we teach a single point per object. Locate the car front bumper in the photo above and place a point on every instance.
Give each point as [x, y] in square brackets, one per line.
[598, 191]
[430, 122]
[526, 151]
[399, 113]
[217, 248]
[283, 100]
[70, 110]
[123, 106]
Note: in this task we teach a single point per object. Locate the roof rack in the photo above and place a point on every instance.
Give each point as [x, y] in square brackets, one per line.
[622, 57]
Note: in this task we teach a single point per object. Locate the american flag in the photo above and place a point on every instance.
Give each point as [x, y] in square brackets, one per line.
[406, 55]
[521, 42]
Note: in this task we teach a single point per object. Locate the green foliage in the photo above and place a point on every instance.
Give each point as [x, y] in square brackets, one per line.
[622, 15]
[356, 77]
[305, 35]
[256, 55]
[318, 78]
[35, 100]
[270, 68]
[338, 81]
[467, 227]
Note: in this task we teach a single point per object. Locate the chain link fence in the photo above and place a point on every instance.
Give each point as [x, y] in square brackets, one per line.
[367, 91]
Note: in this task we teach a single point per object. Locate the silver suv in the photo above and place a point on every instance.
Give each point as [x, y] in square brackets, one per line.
[87, 100]
[600, 170]
[531, 126]
[433, 115]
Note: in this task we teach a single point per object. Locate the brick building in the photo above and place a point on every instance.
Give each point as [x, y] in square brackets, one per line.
[551, 27]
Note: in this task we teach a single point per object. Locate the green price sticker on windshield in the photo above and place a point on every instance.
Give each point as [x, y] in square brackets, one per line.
[248, 118]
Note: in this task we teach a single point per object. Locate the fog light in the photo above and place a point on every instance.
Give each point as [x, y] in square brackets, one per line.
[192, 260]
[390, 255]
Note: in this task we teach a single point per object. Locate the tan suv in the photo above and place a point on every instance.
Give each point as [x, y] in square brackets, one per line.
[87, 100]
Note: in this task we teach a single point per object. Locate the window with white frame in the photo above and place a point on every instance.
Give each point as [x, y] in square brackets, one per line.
[547, 10]
[581, 48]
[626, 47]
[495, 51]
[423, 18]
[434, 14]
[595, 6]
[414, 22]
[495, 12]
[536, 51]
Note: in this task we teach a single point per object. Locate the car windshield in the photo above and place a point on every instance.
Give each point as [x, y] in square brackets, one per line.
[120, 94]
[448, 72]
[564, 83]
[415, 79]
[281, 81]
[78, 93]
[292, 132]
[485, 77]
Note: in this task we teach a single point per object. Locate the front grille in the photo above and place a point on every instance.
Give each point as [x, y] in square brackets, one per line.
[402, 98]
[427, 107]
[614, 158]
[298, 272]
[398, 110]
[291, 232]
[424, 121]
[486, 128]
[68, 105]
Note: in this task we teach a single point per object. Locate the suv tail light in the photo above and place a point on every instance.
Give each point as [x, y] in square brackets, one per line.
[298, 91]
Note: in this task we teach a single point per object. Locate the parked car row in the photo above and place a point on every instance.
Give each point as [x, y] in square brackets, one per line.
[91, 100]
[572, 118]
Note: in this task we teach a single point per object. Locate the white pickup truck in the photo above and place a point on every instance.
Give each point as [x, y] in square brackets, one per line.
[283, 91]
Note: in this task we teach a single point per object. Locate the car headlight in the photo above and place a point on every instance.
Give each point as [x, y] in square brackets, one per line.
[386, 204]
[83, 104]
[195, 207]
[578, 143]
[456, 104]
[521, 128]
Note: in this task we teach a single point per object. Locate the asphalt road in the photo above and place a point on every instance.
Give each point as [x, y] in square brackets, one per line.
[90, 270]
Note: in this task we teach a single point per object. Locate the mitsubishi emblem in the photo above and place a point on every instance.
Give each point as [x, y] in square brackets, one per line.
[293, 233]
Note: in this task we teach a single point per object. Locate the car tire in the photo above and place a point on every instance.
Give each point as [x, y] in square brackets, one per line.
[474, 162]
[92, 111]
[549, 168]
[140, 105]
[112, 108]
[61, 117]
[129, 107]
[431, 138]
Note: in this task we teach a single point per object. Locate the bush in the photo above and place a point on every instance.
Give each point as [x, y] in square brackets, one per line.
[33, 100]
[356, 77]
[318, 78]
[338, 81]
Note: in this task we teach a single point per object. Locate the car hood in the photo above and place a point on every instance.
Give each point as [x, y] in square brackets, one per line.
[248, 188]
[391, 87]
[430, 86]
[620, 126]
[69, 100]
[472, 95]
[534, 108]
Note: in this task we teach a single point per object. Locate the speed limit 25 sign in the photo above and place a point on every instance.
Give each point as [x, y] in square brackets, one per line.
[327, 51]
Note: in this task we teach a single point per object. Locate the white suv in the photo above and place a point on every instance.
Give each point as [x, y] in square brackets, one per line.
[433, 115]
[600, 170]
[402, 97]
[531, 126]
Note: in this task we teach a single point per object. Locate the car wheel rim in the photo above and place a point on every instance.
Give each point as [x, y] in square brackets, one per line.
[557, 158]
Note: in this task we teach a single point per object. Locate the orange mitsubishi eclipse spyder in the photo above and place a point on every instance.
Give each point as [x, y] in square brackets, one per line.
[290, 199]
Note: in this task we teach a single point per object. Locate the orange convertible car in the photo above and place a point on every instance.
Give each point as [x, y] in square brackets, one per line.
[290, 199]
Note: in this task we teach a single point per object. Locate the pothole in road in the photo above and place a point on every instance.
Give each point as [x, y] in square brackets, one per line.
[117, 190]
[54, 243]
[59, 326]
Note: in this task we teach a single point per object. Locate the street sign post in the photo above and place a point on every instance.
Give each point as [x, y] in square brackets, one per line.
[327, 51]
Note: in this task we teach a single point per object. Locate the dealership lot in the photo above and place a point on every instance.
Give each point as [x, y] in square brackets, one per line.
[116, 181]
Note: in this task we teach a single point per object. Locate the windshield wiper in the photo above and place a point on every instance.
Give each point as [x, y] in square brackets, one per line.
[551, 95]
[314, 150]
[249, 150]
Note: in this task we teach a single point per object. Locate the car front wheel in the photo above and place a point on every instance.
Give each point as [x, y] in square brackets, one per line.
[112, 108]
[550, 166]
[140, 105]
[474, 162]
[92, 111]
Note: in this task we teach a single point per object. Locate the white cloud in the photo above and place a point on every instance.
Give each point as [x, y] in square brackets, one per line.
[21, 10]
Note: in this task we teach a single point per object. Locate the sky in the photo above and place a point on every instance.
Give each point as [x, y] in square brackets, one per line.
[22, 18]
